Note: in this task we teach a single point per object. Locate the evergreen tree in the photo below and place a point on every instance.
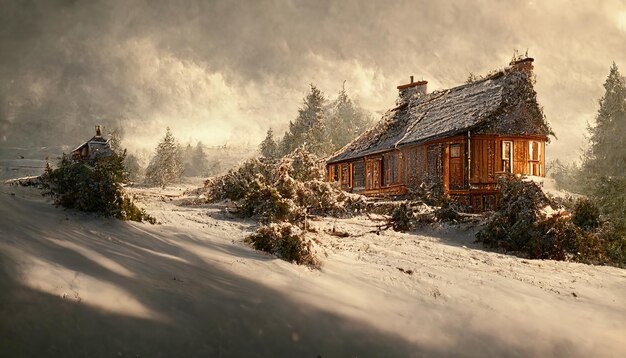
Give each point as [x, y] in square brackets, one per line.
[604, 165]
[566, 175]
[93, 187]
[133, 168]
[346, 121]
[198, 161]
[115, 141]
[166, 166]
[268, 147]
[309, 128]
[187, 156]
[607, 153]
[131, 163]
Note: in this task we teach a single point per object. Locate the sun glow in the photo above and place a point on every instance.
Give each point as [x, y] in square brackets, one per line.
[621, 21]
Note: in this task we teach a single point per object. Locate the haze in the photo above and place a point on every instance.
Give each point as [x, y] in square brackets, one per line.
[225, 71]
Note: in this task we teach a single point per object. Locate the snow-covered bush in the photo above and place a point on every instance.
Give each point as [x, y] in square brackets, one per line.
[281, 194]
[586, 214]
[403, 218]
[558, 238]
[614, 243]
[304, 166]
[429, 192]
[93, 188]
[266, 203]
[235, 184]
[522, 224]
[265, 188]
[448, 212]
[604, 224]
[411, 214]
[285, 241]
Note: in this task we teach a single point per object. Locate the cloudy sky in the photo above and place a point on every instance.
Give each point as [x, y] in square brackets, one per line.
[225, 71]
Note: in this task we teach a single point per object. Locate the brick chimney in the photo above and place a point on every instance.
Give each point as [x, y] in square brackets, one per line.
[408, 90]
[523, 65]
[98, 131]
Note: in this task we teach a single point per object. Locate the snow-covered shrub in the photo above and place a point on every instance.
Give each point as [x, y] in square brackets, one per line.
[448, 212]
[93, 188]
[521, 224]
[558, 238]
[266, 202]
[586, 214]
[281, 194]
[609, 194]
[235, 184]
[613, 242]
[323, 198]
[411, 214]
[286, 242]
[403, 218]
[129, 211]
[520, 208]
[266, 188]
[430, 192]
[304, 166]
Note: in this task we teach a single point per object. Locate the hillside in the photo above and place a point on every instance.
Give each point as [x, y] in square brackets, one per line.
[77, 285]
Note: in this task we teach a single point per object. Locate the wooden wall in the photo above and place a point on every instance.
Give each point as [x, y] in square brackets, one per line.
[443, 162]
[487, 157]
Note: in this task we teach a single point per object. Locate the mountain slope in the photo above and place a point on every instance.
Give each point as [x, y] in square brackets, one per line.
[76, 285]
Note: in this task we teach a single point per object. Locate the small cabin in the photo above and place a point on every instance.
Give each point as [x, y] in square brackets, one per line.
[95, 148]
[459, 139]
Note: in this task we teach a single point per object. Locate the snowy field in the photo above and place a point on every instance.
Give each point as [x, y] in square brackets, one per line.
[74, 284]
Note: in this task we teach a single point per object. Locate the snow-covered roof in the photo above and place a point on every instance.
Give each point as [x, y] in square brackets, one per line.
[98, 147]
[95, 140]
[503, 102]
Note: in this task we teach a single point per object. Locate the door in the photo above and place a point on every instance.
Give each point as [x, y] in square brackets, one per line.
[372, 173]
[456, 167]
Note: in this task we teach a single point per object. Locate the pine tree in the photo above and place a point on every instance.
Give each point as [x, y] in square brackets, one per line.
[187, 155]
[268, 147]
[199, 160]
[346, 121]
[166, 166]
[607, 153]
[133, 168]
[115, 141]
[309, 128]
[605, 163]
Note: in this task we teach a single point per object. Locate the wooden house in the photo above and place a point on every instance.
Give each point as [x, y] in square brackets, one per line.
[94, 148]
[459, 139]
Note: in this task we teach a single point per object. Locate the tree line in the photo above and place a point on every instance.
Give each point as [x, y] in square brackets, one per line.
[322, 126]
[601, 173]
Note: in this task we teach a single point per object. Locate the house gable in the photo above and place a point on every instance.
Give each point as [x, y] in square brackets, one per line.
[96, 147]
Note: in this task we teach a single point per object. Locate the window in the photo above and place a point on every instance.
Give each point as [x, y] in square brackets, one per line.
[456, 175]
[534, 158]
[358, 175]
[455, 151]
[391, 168]
[507, 156]
[334, 173]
